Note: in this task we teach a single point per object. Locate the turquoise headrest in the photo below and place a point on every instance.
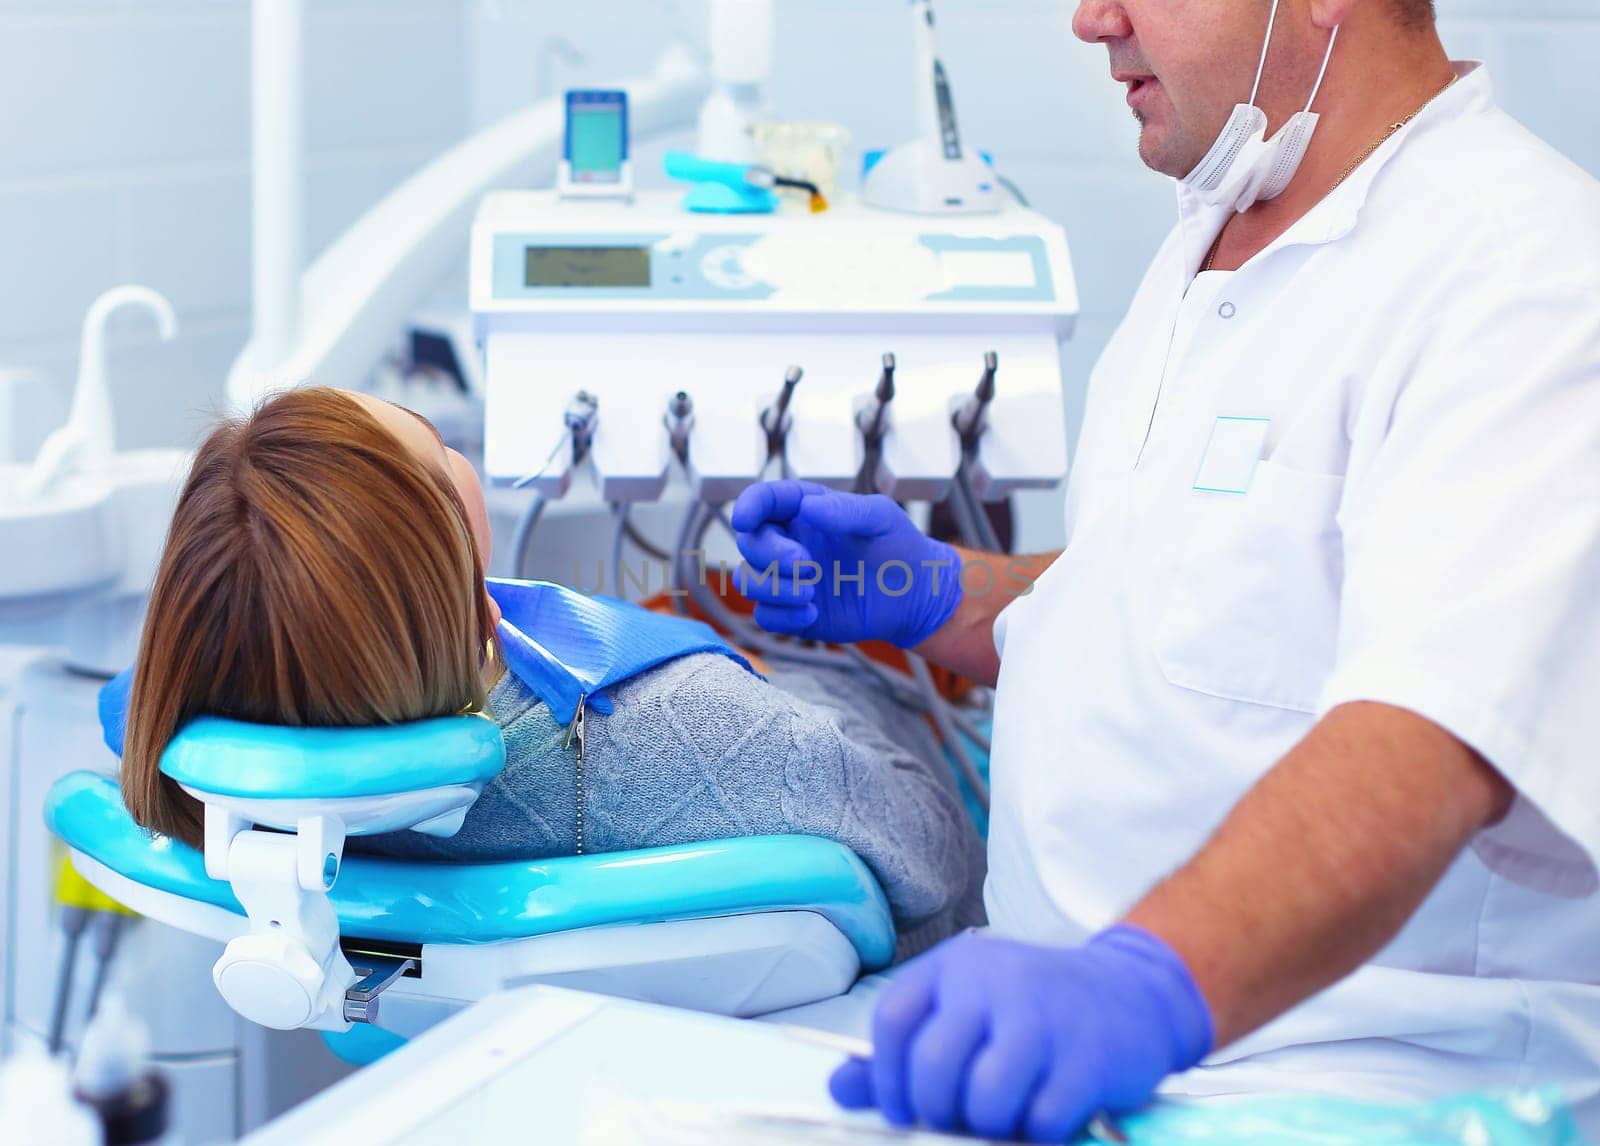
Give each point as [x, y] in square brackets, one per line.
[274, 762]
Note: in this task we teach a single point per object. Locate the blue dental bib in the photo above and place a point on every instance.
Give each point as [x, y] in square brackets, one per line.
[560, 643]
[566, 646]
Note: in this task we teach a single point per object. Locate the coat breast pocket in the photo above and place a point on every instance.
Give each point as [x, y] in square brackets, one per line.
[1253, 608]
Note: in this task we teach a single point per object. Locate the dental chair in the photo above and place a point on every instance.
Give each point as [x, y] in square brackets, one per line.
[372, 951]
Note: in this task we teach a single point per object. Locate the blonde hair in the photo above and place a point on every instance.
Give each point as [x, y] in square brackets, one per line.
[316, 573]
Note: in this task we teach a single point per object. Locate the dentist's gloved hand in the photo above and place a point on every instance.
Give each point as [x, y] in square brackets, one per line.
[1007, 1039]
[844, 567]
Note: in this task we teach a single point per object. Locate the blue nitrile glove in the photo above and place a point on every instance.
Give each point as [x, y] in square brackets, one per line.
[843, 567]
[1007, 1039]
[113, 705]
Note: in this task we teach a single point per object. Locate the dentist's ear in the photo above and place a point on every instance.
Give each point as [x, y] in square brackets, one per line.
[1329, 14]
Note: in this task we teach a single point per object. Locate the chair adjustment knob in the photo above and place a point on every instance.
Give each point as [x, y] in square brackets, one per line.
[270, 979]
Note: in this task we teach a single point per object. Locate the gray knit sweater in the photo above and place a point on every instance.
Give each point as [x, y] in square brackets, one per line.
[701, 749]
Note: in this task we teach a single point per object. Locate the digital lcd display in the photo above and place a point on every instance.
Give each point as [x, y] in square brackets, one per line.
[596, 144]
[587, 267]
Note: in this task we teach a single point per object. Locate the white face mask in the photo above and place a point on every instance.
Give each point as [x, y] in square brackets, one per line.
[1243, 166]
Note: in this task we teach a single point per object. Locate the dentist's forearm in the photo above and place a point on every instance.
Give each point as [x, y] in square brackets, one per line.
[1323, 861]
[991, 581]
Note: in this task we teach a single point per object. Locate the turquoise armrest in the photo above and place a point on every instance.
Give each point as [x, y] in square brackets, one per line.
[407, 901]
[274, 762]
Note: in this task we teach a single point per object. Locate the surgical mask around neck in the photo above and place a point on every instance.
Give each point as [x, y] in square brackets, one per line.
[1243, 167]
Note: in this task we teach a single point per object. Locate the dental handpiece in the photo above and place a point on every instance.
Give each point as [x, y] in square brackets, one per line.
[679, 421]
[578, 421]
[873, 418]
[775, 418]
[970, 420]
[580, 417]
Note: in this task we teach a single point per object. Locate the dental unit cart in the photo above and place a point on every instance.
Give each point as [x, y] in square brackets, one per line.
[636, 303]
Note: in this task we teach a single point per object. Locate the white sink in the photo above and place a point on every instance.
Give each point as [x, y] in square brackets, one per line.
[56, 544]
[78, 551]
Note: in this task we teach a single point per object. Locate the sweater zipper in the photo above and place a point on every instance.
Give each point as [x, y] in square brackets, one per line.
[575, 739]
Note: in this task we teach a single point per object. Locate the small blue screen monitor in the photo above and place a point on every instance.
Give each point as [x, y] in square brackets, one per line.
[597, 135]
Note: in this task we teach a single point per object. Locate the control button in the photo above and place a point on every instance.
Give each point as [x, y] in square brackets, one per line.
[722, 266]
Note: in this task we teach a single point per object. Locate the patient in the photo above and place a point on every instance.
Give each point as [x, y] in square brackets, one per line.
[325, 566]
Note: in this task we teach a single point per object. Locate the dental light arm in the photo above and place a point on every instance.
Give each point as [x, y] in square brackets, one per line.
[362, 289]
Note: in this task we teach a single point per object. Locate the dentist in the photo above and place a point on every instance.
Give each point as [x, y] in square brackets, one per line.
[1296, 759]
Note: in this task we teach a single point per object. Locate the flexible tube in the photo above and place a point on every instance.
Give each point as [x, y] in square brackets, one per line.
[920, 693]
[966, 520]
[939, 710]
[984, 537]
[619, 531]
[519, 540]
[849, 657]
[107, 932]
[970, 729]
[697, 525]
[680, 558]
[73, 921]
[644, 544]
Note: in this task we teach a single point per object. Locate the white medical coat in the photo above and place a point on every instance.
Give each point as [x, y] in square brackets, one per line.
[1421, 356]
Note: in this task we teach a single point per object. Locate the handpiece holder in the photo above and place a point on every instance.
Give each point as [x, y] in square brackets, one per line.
[872, 419]
[971, 418]
[679, 421]
[776, 419]
[580, 418]
[570, 450]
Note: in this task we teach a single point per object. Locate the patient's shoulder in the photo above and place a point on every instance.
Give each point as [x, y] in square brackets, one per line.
[510, 699]
[707, 701]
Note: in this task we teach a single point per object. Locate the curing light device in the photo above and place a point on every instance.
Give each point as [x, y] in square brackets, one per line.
[932, 174]
[594, 157]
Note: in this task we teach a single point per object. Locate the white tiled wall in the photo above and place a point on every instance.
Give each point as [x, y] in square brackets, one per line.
[124, 143]
[124, 135]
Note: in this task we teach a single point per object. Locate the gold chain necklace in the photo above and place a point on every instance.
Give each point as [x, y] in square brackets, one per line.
[1348, 171]
[1393, 127]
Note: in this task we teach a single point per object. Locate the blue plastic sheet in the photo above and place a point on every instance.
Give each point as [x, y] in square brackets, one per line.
[564, 645]
[559, 642]
[1528, 1119]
